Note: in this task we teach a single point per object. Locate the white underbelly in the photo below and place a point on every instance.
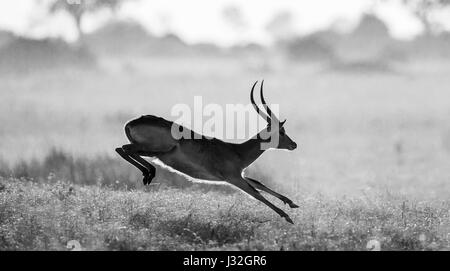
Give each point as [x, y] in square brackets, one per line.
[190, 178]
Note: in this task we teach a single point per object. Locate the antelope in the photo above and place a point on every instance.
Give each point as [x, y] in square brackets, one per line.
[207, 159]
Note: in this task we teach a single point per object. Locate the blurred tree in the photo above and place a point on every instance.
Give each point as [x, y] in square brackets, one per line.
[423, 9]
[235, 18]
[77, 8]
[281, 26]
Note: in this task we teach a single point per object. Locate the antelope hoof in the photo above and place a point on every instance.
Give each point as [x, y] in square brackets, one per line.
[147, 179]
[290, 203]
[288, 219]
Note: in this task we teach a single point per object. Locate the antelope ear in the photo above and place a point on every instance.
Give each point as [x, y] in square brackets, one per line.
[282, 123]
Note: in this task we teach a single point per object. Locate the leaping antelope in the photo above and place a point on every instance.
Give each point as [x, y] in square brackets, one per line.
[205, 159]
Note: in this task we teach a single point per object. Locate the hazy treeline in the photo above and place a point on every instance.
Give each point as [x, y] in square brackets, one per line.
[369, 46]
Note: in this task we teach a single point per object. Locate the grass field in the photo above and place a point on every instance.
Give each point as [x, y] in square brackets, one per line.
[46, 217]
[372, 163]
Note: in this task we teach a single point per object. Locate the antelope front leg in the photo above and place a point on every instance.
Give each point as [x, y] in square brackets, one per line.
[258, 185]
[242, 184]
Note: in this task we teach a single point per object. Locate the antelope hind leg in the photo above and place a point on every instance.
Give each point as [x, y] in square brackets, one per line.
[131, 159]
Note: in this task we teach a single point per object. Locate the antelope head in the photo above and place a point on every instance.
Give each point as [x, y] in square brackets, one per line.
[274, 131]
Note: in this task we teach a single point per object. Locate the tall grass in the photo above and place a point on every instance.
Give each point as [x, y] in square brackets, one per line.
[47, 216]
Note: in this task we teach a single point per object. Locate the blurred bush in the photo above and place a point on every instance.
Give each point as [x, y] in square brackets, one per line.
[100, 170]
[369, 47]
[23, 55]
[120, 38]
[309, 48]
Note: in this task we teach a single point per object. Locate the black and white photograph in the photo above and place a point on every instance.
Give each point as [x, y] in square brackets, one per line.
[224, 126]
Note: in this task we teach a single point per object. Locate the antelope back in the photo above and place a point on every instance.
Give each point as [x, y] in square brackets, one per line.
[152, 132]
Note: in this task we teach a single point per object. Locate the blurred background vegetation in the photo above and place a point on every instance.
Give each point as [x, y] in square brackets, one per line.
[367, 110]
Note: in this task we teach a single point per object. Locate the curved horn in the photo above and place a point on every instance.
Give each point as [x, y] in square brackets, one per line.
[272, 116]
[260, 112]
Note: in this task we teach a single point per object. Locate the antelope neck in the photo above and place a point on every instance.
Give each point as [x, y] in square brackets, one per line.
[251, 149]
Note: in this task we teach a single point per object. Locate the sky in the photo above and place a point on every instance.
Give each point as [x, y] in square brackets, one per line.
[203, 20]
